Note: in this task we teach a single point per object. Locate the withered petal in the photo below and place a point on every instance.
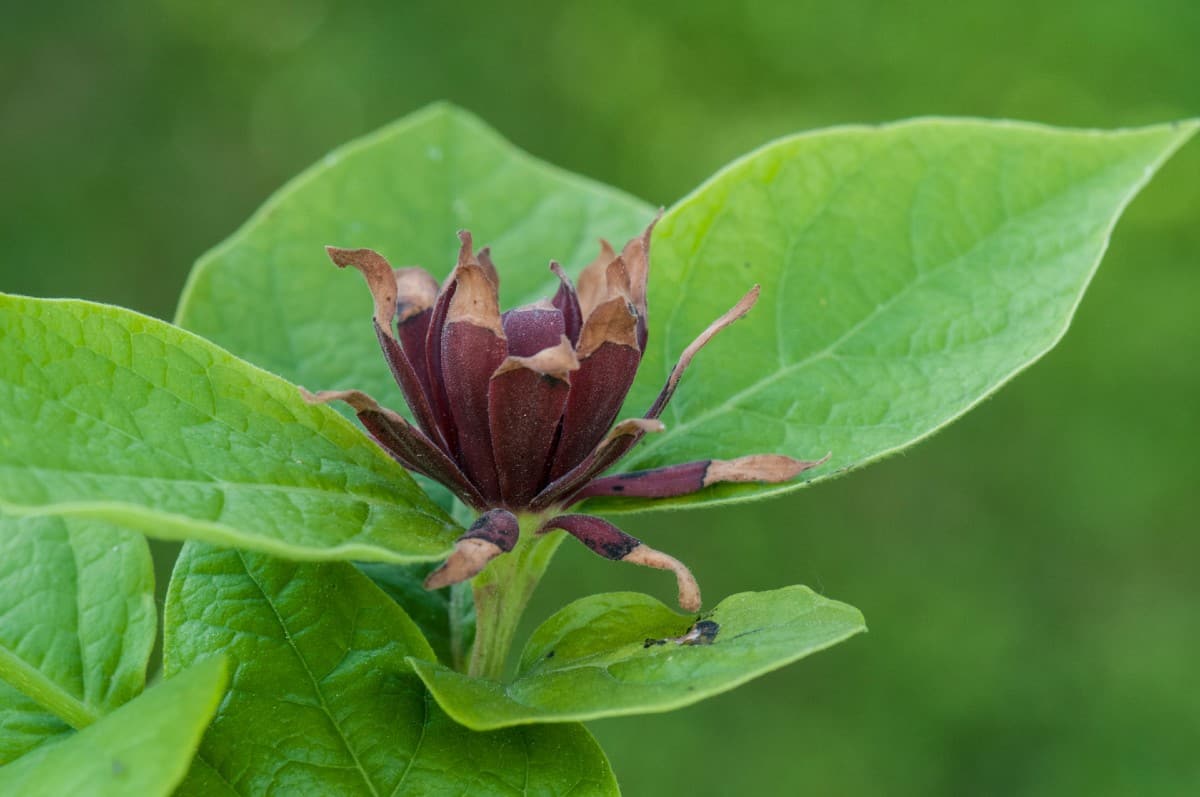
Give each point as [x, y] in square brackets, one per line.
[386, 284]
[592, 283]
[636, 256]
[607, 540]
[737, 311]
[493, 533]
[688, 477]
[615, 444]
[404, 442]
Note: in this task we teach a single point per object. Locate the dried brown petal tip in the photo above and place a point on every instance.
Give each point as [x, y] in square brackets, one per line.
[733, 314]
[494, 533]
[378, 273]
[607, 540]
[758, 468]
[689, 590]
[416, 292]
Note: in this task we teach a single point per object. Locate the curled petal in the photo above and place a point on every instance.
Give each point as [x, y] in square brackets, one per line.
[386, 284]
[615, 444]
[406, 444]
[737, 311]
[689, 477]
[494, 533]
[526, 399]
[636, 256]
[416, 293]
[610, 542]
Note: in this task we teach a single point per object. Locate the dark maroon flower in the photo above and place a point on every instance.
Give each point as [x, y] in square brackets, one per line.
[514, 412]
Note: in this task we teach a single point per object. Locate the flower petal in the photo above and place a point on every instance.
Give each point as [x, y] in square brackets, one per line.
[608, 362]
[405, 443]
[494, 533]
[472, 347]
[593, 281]
[384, 283]
[416, 293]
[532, 328]
[737, 311]
[567, 301]
[689, 477]
[525, 404]
[610, 542]
[619, 440]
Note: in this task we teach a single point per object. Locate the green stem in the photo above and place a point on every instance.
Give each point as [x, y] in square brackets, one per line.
[502, 592]
[32, 683]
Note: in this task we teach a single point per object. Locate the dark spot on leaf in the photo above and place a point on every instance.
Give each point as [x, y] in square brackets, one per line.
[550, 655]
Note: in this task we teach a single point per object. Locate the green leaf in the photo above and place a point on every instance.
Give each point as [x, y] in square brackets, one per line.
[907, 272]
[591, 659]
[142, 748]
[270, 294]
[109, 415]
[445, 616]
[323, 701]
[77, 623]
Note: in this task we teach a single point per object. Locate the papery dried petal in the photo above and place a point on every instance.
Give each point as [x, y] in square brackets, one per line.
[636, 257]
[525, 404]
[608, 361]
[610, 542]
[688, 477]
[405, 443]
[737, 311]
[494, 533]
[592, 284]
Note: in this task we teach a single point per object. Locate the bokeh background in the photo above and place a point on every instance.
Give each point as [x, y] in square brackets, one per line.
[1030, 575]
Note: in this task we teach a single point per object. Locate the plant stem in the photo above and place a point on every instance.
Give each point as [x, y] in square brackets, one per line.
[37, 687]
[502, 592]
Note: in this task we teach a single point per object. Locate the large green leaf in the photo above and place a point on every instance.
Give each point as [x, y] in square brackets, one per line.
[270, 294]
[592, 660]
[142, 748]
[77, 623]
[445, 616]
[907, 272]
[107, 414]
[323, 702]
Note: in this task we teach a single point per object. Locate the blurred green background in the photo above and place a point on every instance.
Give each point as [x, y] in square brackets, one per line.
[1029, 575]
